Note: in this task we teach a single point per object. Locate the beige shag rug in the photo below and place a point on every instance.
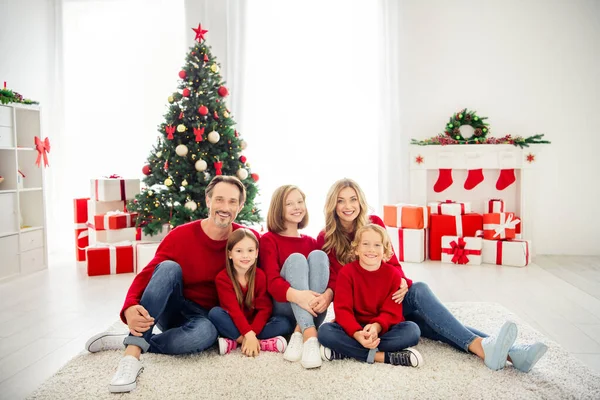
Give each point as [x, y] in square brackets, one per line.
[446, 373]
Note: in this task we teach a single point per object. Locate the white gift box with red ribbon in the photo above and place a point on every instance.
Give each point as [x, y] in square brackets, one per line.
[512, 252]
[461, 250]
[111, 236]
[494, 206]
[410, 245]
[111, 189]
[449, 207]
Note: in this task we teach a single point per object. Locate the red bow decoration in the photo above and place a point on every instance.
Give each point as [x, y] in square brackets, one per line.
[170, 130]
[42, 147]
[459, 251]
[218, 165]
[114, 176]
[198, 132]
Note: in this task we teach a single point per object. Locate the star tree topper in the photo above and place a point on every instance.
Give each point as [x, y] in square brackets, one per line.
[199, 33]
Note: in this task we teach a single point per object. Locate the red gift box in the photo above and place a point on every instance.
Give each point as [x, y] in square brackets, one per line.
[451, 225]
[498, 226]
[109, 259]
[114, 220]
[81, 230]
[494, 206]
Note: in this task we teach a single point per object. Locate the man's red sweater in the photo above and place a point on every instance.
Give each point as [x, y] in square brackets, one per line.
[335, 266]
[365, 297]
[274, 250]
[246, 320]
[200, 258]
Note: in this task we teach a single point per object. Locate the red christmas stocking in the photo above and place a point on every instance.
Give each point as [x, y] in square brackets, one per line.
[444, 180]
[474, 178]
[506, 178]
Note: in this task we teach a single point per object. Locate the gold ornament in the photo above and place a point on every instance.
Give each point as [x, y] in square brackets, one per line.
[181, 128]
[225, 114]
[181, 150]
[214, 137]
[248, 165]
[243, 145]
[193, 156]
[184, 183]
[171, 99]
[201, 165]
[191, 205]
[168, 182]
[214, 68]
[158, 154]
[242, 173]
[150, 192]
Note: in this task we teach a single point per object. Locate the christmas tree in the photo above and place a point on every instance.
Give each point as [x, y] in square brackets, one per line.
[197, 141]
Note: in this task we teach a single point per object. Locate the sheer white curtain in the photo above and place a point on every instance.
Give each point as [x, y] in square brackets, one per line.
[313, 110]
[120, 61]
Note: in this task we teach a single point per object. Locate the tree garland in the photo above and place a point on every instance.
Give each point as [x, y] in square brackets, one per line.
[453, 134]
[8, 96]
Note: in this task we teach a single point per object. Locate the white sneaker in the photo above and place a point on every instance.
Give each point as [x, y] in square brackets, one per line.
[105, 341]
[311, 354]
[293, 352]
[125, 377]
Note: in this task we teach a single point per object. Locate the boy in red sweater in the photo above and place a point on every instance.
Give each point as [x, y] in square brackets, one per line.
[177, 288]
[369, 323]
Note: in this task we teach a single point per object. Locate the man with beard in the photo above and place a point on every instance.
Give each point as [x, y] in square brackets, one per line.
[177, 288]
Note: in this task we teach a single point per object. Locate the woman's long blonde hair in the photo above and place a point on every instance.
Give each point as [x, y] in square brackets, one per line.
[237, 236]
[336, 238]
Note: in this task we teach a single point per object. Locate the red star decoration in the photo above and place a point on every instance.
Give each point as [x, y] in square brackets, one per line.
[419, 159]
[199, 33]
[530, 158]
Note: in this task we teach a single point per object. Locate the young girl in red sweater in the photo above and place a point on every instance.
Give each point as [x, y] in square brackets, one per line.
[369, 323]
[244, 317]
[297, 273]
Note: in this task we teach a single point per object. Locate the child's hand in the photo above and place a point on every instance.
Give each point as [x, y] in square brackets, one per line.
[373, 330]
[305, 299]
[398, 296]
[250, 345]
[322, 302]
[366, 340]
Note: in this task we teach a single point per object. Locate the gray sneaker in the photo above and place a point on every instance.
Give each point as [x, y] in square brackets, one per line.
[495, 348]
[525, 356]
[126, 376]
[105, 341]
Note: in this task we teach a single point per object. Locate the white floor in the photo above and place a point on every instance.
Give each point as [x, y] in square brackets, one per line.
[47, 317]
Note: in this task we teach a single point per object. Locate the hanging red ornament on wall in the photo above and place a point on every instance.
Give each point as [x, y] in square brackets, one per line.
[182, 74]
[146, 170]
[202, 110]
[243, 159]
[186, 92]
[255, 177]
[218, 165]
[223, 91]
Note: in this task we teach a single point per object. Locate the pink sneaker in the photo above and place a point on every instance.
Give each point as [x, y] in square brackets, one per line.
[276, 344]
[226, 345]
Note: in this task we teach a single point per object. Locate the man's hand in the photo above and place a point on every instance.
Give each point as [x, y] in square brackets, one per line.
[398, 296]
[138, 320]
[250, 345]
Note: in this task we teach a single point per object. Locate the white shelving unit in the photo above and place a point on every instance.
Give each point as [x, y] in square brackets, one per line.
[23, 231]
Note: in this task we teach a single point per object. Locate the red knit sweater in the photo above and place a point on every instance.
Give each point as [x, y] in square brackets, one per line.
[365, 297]
[200, 257]
[274, 250]
[245, 320]
[335, 266]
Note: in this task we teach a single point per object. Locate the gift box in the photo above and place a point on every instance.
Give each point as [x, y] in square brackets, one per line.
[494, 206]
[499, 226]
[406, 216]
[410, 245]
[110, 259]
[451, 225]
[110, 236]
[515, 253]
[461, 250]
[144, 254]
[449, 207]
[81, 231]
[141, 236]
[102, 207]
[111, 189]
[114, 220]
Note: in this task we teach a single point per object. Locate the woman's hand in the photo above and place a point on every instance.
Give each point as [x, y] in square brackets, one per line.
[305, 299]
[322, 302]
[250, 345]
[398, 296]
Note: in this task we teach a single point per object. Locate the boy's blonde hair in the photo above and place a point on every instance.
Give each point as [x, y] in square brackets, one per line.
[385, 239]
[276, 213]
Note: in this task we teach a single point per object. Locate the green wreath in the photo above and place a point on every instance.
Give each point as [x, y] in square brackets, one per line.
[470, 118]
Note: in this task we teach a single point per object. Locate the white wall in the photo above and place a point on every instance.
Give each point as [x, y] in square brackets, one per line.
[531, 67]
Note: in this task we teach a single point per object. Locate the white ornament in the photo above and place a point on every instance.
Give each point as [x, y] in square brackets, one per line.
[191, 205]
[242, 173]
[243, 145]
[201, 165]
[466, 131]
[158, 154]
[214, 137]
[181, 150]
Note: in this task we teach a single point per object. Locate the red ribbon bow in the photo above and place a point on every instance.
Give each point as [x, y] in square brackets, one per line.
[43, 148]
[114, 176]
[459, 251]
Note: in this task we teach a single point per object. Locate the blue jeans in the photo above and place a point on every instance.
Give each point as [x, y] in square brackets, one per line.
[184, 324]
[304, 273]
[435, 321]
[275, 326]
[398, 337]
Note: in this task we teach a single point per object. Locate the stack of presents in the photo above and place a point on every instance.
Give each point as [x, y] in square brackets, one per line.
[449, 232]
[106, 236]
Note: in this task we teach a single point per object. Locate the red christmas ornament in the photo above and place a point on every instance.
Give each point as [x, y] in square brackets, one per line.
[170, 131]
[202, 110]
[223, 91]
[199, 33]
[198, 132]
[146, 170]
[181, 115]
[215, 115]
[255, 177]
[193, 53]
[205, 58]
[186, 92]
[419, 159]
[218, 165]
[166, 165]
[243, 159]
[236, 133]
[182, 74]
